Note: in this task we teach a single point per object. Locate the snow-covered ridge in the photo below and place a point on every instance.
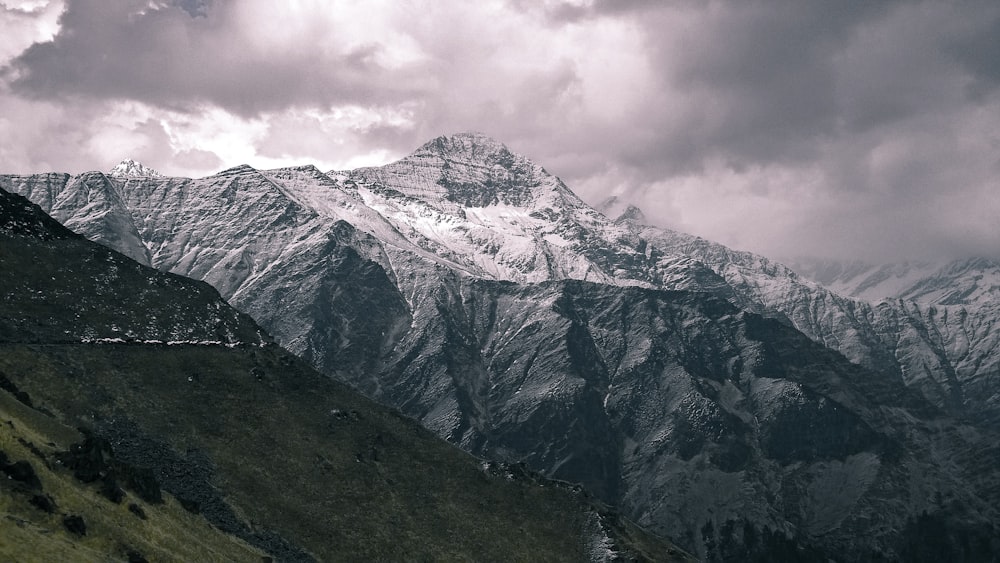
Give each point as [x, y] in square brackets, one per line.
[129, 168]
[156, 342]
[972, 282]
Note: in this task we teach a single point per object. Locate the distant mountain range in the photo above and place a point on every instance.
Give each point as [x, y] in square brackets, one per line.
[713, 395]
[971, 282]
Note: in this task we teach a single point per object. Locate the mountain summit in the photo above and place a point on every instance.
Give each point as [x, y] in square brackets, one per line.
[468, 170]
[129, 168]
[467, 145]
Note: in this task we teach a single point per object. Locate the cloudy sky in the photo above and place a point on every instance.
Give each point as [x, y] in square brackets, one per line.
[845, 129]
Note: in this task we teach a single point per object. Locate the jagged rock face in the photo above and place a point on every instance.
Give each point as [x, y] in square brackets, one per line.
[90, 204]
[496, 215]
[973, 282]
[469, 170]
[683, 410]
[472, 290]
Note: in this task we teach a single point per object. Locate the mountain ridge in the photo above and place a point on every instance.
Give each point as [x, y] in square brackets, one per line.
[258, 455]
[512, 318]
[968, 281]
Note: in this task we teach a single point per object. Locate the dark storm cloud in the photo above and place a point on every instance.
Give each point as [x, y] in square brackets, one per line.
[879, 108]
[744, 82]
[979, 50]
[765, 78]
[775, 81]
[191, 52]
[194, 8]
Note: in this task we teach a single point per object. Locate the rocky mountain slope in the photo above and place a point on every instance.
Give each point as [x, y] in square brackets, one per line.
[200, 440]
[950, 353]
[471, 289]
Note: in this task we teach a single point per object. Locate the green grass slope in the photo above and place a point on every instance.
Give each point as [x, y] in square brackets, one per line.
[36, 504]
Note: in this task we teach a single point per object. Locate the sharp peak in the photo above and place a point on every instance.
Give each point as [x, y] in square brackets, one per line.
[240, 169]
[130, 168]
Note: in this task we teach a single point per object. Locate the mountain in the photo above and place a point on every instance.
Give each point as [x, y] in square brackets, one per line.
[949, 353]
[145, 419]
[972, 282]
[129, 168]
[713, 395]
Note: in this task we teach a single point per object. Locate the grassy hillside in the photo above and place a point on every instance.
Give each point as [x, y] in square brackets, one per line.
[37, 512]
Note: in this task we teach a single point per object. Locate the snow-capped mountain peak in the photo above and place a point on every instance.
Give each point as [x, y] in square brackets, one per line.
[129, 168]
[470, 200]
[465, 170]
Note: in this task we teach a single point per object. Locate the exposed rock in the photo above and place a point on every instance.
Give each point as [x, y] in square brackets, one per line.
[75, 525]
[20, 471]
[43, 503]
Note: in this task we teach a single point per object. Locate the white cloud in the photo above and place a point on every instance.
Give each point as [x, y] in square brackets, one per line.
[24, 23]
